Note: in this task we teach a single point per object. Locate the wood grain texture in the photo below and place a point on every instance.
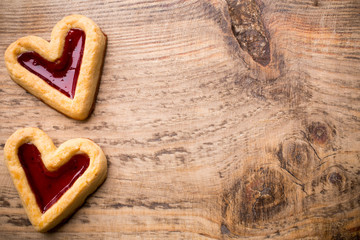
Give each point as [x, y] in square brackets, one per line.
[202, 140]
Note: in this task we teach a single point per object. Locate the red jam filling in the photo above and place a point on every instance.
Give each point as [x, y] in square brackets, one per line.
[64, 72]
[49, 186]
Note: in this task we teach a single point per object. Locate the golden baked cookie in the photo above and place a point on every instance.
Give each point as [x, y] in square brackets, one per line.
[52, 182]
[65, 72]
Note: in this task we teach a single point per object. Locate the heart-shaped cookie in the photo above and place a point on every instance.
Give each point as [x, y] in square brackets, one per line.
[64, 72]
[52, 182]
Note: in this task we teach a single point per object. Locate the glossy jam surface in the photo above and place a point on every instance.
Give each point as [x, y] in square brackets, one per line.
[49, 186]
[64, 72]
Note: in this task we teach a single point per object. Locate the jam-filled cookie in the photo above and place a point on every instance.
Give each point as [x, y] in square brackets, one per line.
[52, 182]
[65, 72]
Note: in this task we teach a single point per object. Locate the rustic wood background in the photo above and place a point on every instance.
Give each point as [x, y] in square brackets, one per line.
[220, 119]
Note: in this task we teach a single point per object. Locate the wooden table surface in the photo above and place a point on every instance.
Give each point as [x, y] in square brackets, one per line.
[219, 119]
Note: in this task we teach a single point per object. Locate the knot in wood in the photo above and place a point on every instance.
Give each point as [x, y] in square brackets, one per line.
[318, 133]
[258, 197]
[334, 181]
[297, 158]
[335, 178]
[249, 29]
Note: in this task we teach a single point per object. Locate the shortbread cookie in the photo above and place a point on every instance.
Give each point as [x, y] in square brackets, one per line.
[52, 182]
[64, 72]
